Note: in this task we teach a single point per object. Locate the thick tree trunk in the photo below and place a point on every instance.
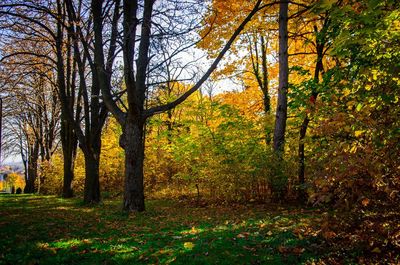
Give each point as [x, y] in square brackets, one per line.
[30, 184]
[92, 182]
[132, 142]
[281, 111]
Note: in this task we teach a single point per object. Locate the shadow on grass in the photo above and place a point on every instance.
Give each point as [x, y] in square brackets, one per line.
[50, 230]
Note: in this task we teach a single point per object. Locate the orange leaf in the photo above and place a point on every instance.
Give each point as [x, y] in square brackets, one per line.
[365, 202]
[329, 235]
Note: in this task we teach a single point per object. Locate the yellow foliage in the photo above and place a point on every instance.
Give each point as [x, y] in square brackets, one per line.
[111, 158]
[14, 180]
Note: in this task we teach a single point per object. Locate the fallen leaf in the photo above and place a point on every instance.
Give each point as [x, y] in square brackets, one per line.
[250, 248]
[240, 236]
[188, 245]
[329, 234]
[298, 250]
[282, 249]
[376, 250]
[365, 202]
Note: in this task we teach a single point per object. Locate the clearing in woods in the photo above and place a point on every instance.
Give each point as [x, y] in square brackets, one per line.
[50, 230]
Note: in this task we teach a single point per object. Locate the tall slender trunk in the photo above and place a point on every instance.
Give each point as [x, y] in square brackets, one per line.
[265, 90]
[170, 171]
[132, 142]
[281, 111]
[267, 130]
[24, 160]
[301, 172]
[265, 79]
[320, 45]
[262, 79]
[279, 179]
[69, 145]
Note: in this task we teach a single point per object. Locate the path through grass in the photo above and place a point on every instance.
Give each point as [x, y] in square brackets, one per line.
[51, 230]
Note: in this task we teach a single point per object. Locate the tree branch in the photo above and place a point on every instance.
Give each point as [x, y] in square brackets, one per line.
[159, 109]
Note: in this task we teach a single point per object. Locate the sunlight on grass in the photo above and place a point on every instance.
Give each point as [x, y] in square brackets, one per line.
[188, 245]
[63, 208]
[163, 234]
[192, 231]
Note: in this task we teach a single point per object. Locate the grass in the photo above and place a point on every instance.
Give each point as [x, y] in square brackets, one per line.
[51, 230]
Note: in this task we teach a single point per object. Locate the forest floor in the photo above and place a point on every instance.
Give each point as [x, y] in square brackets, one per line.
[51, 230]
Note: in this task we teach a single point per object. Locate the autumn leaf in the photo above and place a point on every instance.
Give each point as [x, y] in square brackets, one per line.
[329, 234]
[376, 250]
[365, 202]
[188, 245]
[298, 250]
[240, 236]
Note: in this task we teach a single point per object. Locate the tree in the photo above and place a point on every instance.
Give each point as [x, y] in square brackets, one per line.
[94, 111]
[252, 67]
[77, 82]
[32, 109]
[281, 108]
[133, 120]
[320, 43]
[34, 22]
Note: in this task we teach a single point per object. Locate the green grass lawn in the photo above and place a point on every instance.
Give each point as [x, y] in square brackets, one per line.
[51, 230]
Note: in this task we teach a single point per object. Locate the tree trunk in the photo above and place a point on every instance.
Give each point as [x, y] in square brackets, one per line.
[320, 45]
[92, 182]
[25, 162]
[30, 184]
[301, 172]
[32, 168]
[278, 181]
[69, 145]
[69, 162]
[281, 111]
[267, 130]
[132, 142]
[169, 168]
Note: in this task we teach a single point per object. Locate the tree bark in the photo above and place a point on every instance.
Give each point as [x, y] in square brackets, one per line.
[68, 135]
[133, 144]
[94, 114]
[32, 168]
[281, 111]
[267, 130]
[69, 146]
[68, 176]
[92, 183]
